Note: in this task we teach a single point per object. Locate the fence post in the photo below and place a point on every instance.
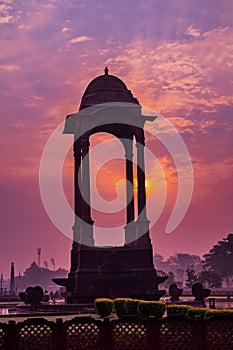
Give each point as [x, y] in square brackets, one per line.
[59, 341]
[107, 334]
[198, 333]
[12, 339]
[153, 333]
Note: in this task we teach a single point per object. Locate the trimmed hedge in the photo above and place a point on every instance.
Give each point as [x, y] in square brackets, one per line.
[145, 309]
[191, 312]
[196, 311]
[103, 306]
[151, 308]
[177, 310]
[120, 306]
[219, 313]
[131, 306]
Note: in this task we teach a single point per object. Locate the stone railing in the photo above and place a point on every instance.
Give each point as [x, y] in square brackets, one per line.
[88, 333]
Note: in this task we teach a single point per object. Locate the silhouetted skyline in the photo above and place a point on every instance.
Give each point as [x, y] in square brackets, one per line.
[174, 57]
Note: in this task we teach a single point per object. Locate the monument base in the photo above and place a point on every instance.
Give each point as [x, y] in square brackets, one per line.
[126, 271]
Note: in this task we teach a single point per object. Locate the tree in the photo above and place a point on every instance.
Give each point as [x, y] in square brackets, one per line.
[170, 280]
[34, 275]
[220, 259]
[177, 263]
[192, 277]
[161, 273]
[160, 263]
[210, 279]
[183, 260]
[179, 277]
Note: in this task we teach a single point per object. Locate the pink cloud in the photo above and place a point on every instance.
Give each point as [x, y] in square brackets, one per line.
[181, 67]
[80, 39]
[9, 67]
[192, 31]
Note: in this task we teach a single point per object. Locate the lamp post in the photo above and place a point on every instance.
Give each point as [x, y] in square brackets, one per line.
[38, 255]
[1, 280]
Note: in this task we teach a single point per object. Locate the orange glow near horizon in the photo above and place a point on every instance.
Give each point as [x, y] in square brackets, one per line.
[135, 186]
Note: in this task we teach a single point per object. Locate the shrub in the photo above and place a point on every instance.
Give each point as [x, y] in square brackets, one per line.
[151, 308]
[222, 313]
[120, 306]
[131, 306]
[177, 310]
[103, 306]
[196, 311]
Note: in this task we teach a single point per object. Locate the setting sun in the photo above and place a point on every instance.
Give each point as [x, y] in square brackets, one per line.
[135, 186]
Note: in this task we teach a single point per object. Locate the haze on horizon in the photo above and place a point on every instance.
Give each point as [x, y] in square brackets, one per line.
[175, 57]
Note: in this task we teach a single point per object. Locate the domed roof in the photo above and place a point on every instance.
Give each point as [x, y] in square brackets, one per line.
[106, 88]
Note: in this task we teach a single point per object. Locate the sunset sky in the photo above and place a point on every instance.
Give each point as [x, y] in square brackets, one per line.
[176, 58]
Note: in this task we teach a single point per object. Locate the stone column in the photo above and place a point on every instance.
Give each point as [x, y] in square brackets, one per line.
[142, 225]
[77, 181]
[130, 234]
[141, 180]
[77, 205]
[87, 222]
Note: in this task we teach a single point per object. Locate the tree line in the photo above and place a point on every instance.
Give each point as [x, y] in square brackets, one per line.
[35, 275]
[214, 270]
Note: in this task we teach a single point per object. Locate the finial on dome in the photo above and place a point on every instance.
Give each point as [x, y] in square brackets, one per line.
[106, 71]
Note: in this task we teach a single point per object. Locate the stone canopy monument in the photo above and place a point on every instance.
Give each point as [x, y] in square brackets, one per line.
[123, 271]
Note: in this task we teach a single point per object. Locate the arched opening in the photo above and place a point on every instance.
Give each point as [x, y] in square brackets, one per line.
[108, 189]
